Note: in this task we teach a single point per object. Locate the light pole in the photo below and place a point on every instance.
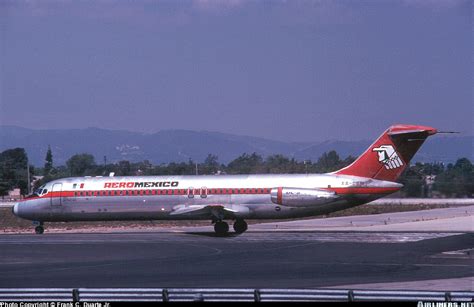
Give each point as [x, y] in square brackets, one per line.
[28, 176]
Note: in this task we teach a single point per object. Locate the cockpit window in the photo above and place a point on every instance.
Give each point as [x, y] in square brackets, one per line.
[40, 191]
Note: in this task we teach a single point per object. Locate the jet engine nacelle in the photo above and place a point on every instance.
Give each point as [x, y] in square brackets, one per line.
[297, 197]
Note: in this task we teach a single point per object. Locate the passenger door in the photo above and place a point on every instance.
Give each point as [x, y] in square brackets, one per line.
[56, 195]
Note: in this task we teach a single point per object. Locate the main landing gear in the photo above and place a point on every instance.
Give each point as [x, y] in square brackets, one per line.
[240, 226]
[39, 229]
[222, 228]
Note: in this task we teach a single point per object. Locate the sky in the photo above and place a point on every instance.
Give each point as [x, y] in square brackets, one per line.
[284, 70]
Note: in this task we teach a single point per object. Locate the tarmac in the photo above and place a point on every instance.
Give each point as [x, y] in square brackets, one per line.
[416, 250]
[453, 219]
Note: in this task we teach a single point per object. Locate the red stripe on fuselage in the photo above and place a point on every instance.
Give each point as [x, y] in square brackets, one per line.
[184, 192]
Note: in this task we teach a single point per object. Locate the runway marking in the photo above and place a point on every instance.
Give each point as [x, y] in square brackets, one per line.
[458, 252]
[467, 253]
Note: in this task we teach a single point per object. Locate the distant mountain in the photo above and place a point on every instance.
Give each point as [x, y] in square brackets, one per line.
[181, 145]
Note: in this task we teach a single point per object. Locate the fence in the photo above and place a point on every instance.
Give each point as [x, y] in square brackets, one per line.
[250, 295]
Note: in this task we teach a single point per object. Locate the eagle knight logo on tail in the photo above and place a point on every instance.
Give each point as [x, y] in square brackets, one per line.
[388, 156]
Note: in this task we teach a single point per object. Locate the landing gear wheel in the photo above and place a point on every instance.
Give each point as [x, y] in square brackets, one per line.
[221, 228]
[39, 230]
[240, 226]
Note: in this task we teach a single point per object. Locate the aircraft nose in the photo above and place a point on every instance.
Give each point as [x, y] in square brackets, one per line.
[15, 209]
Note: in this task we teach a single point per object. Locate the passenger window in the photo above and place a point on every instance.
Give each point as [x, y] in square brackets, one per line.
[191, 192]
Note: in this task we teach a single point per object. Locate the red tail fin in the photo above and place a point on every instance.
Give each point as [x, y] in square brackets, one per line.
[389, 155]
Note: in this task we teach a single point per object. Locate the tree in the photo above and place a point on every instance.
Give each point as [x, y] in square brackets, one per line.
[124, 168]
[328, 162]
[457, 180]
[246, 164]
[211, 166]
[48, 165]
[81, 164]
[278, 164]
[13, 170]
[412, 180]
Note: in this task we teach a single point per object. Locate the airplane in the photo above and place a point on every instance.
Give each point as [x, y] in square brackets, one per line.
[229, 197]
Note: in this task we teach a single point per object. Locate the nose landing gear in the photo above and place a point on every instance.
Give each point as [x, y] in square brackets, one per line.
[39, 229]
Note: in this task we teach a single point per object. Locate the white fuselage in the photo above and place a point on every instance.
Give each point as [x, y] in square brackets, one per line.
[174, 197]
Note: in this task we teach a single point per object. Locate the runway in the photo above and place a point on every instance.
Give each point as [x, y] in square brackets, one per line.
[254, 259]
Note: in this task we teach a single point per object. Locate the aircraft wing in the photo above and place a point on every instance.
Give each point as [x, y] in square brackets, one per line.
[209, 210]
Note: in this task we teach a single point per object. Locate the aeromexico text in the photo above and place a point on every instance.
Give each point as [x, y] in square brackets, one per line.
[148, 184]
